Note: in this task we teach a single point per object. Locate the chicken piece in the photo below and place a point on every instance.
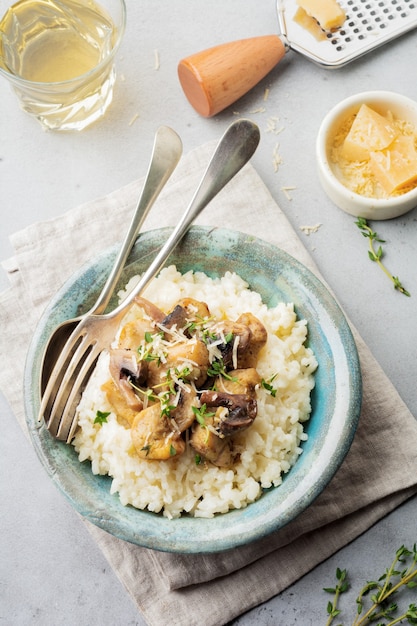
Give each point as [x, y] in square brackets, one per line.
[248, 356]
[183, 414]
[126, 369]
[197, 311]
[125, 415]
[215, 449]
[133, 333]
[241, 381]
[192, 354]
[226, 349]
[154, 437]
[186, 313]
[240, 414]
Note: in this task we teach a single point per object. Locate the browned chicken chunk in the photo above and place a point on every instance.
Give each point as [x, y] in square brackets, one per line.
[248, 356]
[154, 437]
[192, 354]
[215, 449]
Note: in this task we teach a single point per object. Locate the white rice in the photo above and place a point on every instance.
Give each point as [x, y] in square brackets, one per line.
[271, 443]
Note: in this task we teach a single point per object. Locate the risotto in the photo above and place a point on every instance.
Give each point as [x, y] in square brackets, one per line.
[257, 442]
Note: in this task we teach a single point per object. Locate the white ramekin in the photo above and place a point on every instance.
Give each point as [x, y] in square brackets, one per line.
[360, 206]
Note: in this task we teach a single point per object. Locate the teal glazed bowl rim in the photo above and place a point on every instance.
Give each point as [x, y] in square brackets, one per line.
[336, 399]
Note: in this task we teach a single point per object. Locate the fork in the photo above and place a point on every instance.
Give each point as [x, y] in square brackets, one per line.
[166, 153]
[95, 333]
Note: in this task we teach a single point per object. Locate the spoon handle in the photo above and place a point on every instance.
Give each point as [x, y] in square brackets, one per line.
[234, 150]
[166, 153]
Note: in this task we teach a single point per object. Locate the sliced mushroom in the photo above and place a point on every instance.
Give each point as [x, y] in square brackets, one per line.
[150, 309]
[177, 317]
[126, 369]
[154, 437]
[241, 410]
[215, 449]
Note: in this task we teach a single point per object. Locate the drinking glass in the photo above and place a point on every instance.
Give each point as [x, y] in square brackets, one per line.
[59, 56]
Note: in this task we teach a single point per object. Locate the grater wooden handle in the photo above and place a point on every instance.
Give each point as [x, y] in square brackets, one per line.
[215, 78]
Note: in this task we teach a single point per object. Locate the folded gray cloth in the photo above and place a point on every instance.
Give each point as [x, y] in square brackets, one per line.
[208, 590]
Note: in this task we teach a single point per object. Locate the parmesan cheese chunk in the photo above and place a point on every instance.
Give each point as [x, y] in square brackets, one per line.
[370, 131]
[395, 167]
[328, 13]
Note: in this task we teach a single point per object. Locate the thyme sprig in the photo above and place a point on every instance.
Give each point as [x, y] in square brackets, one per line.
[342, 586]
[377, 254]
[402, 573]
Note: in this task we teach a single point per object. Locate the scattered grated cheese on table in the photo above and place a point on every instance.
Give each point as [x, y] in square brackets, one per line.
[286, 191]
[271, 126]
[276, 158]
[308, 230]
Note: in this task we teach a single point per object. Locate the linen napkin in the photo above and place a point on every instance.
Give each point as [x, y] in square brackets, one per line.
[204, 589]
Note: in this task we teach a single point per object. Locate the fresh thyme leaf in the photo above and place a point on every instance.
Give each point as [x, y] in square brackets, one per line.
[383, 589]
[172, 450]
[101, 417]
[201, 414]
[218, 368]
[267, 385]
[376, 255]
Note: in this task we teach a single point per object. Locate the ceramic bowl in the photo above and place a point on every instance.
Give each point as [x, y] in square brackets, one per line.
[336, 399]
[360, 206]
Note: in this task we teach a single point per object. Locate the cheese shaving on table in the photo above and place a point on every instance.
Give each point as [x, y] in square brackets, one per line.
[285, 190]
[308, 230]
[272, 126]
[276, 158]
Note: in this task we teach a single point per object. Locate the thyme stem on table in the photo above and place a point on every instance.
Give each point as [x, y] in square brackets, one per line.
[376, 255]
[401, 574]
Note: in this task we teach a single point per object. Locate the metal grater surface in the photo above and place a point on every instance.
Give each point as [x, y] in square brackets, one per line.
[368, 25]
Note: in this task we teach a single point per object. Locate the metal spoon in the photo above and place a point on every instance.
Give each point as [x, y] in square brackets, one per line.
[95, 332]
[166, 153]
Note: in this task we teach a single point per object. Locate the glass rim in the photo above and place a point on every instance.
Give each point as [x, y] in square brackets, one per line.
[43, 86]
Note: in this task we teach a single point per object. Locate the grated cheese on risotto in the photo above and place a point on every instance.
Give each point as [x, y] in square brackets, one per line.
[268, 448]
